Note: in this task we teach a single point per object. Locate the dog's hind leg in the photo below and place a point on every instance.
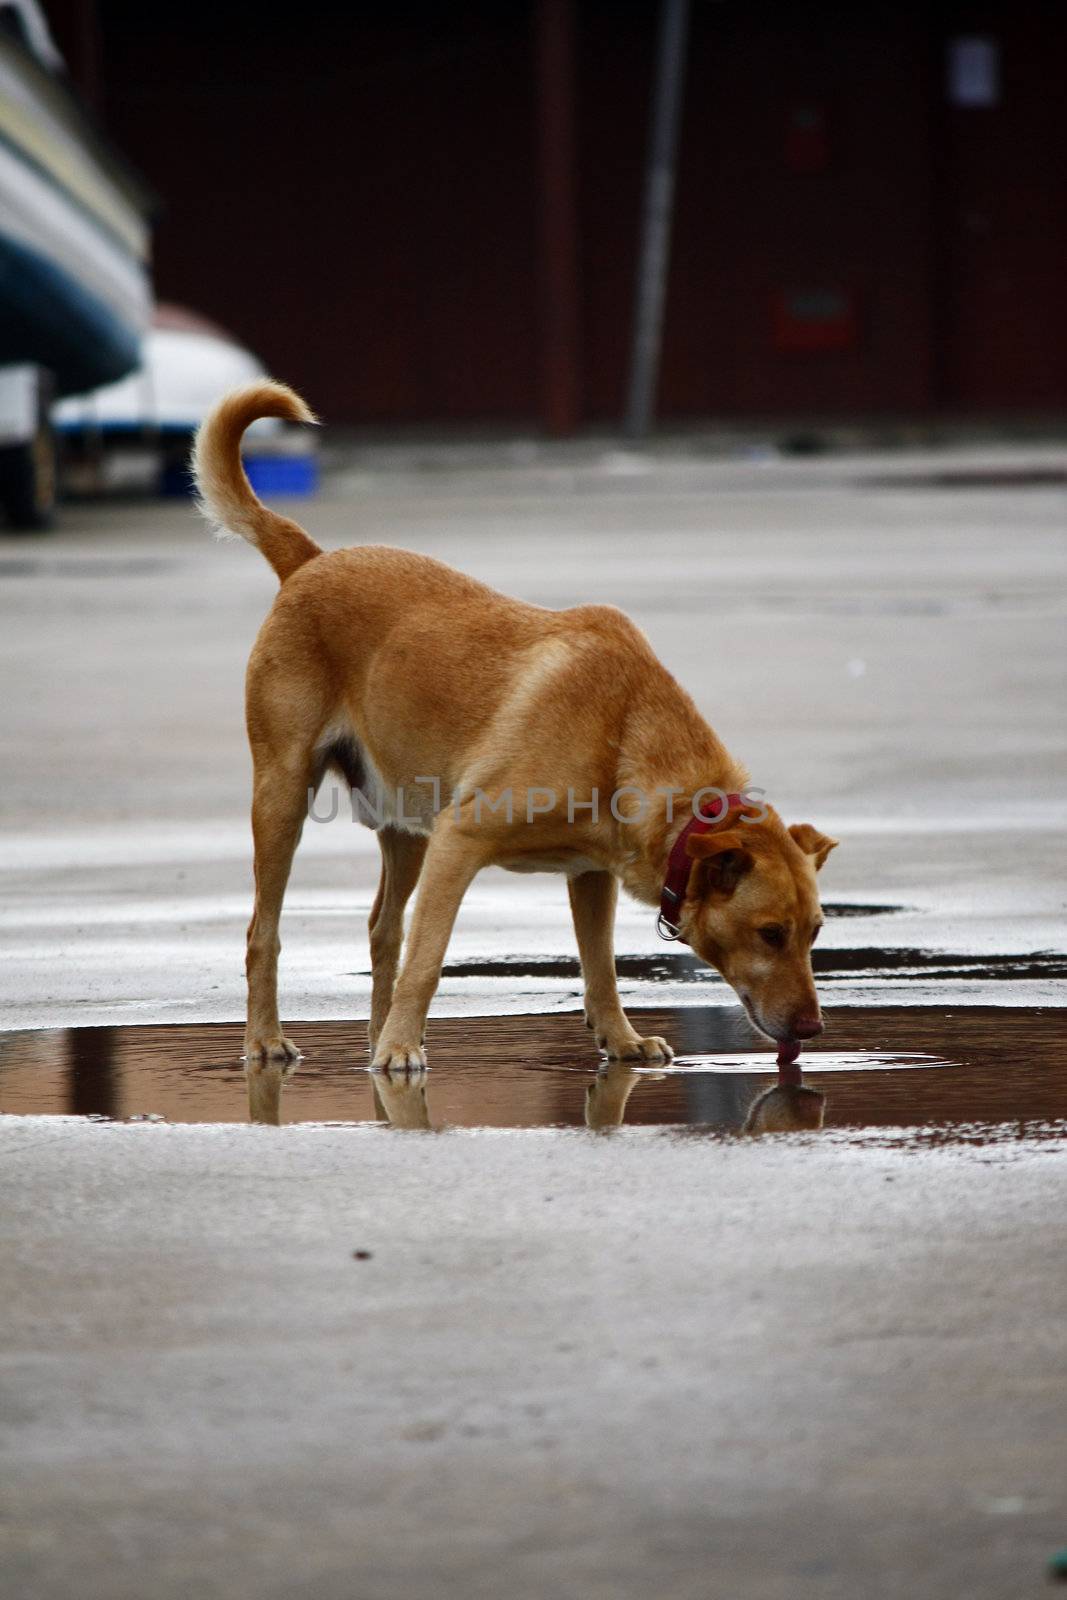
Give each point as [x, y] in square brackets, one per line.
[279, 806]
[287, 706]
[402, 857]
[593, 899]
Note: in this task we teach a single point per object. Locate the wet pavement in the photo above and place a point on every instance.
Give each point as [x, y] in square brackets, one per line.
[885, 655]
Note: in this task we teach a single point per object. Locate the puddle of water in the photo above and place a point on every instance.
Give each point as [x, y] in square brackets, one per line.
[879, 1068]
[680, 967]
[853, 908]
[1021, 477]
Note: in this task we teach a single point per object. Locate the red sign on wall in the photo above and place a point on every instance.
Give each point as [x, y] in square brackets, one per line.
[805, 321]
[807, 143]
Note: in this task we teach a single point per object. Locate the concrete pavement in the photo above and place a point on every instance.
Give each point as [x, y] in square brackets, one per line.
[568, 1364]
[603, 1367]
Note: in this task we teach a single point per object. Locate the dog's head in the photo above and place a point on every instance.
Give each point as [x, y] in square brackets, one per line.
[752, 912]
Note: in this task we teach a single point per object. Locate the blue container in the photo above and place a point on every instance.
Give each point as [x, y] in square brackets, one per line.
[272, 476]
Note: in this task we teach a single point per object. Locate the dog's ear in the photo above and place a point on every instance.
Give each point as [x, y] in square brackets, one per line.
[812, 842]
[723, 860]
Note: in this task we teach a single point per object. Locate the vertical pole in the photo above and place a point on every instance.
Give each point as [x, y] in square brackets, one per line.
[75, 27]
[656, 218]
[557, 217]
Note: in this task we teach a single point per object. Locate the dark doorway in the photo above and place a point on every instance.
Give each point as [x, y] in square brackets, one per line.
[1004, 211]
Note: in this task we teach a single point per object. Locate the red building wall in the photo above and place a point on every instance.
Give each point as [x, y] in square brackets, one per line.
[357, 193]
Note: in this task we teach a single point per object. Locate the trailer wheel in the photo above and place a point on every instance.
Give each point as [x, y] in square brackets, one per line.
[28, 481]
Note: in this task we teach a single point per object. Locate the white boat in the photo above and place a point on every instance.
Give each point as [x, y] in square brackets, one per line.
[136, 433]
[75, 287]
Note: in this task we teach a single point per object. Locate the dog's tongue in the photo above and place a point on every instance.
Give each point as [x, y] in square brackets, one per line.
[788, 1070]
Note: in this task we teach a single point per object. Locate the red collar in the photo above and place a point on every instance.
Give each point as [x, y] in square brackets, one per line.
[713, 813]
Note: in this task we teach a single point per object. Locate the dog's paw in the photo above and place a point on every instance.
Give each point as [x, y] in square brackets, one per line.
[270, 1047]
[404, 1078]
[394, 1056]
[633, 1048]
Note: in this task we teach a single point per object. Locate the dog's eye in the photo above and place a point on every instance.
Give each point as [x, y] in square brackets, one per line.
[773, 935]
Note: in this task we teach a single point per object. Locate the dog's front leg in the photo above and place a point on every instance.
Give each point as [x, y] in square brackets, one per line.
[452, 860]
[402, 858]
[593, 899]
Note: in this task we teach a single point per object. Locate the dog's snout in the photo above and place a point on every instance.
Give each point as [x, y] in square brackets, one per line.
[807, 1025]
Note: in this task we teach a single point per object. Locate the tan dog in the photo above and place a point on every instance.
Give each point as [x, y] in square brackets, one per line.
[478, 730]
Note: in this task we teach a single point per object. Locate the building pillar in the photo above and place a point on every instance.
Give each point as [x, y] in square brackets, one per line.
[558, 353]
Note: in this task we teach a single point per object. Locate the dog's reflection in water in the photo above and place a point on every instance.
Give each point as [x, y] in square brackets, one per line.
[786, 1108]
[607, 1096]
[400, 1099]
[265, 1080]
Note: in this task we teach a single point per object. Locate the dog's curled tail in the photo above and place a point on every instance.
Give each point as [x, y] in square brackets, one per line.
[223, 492]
